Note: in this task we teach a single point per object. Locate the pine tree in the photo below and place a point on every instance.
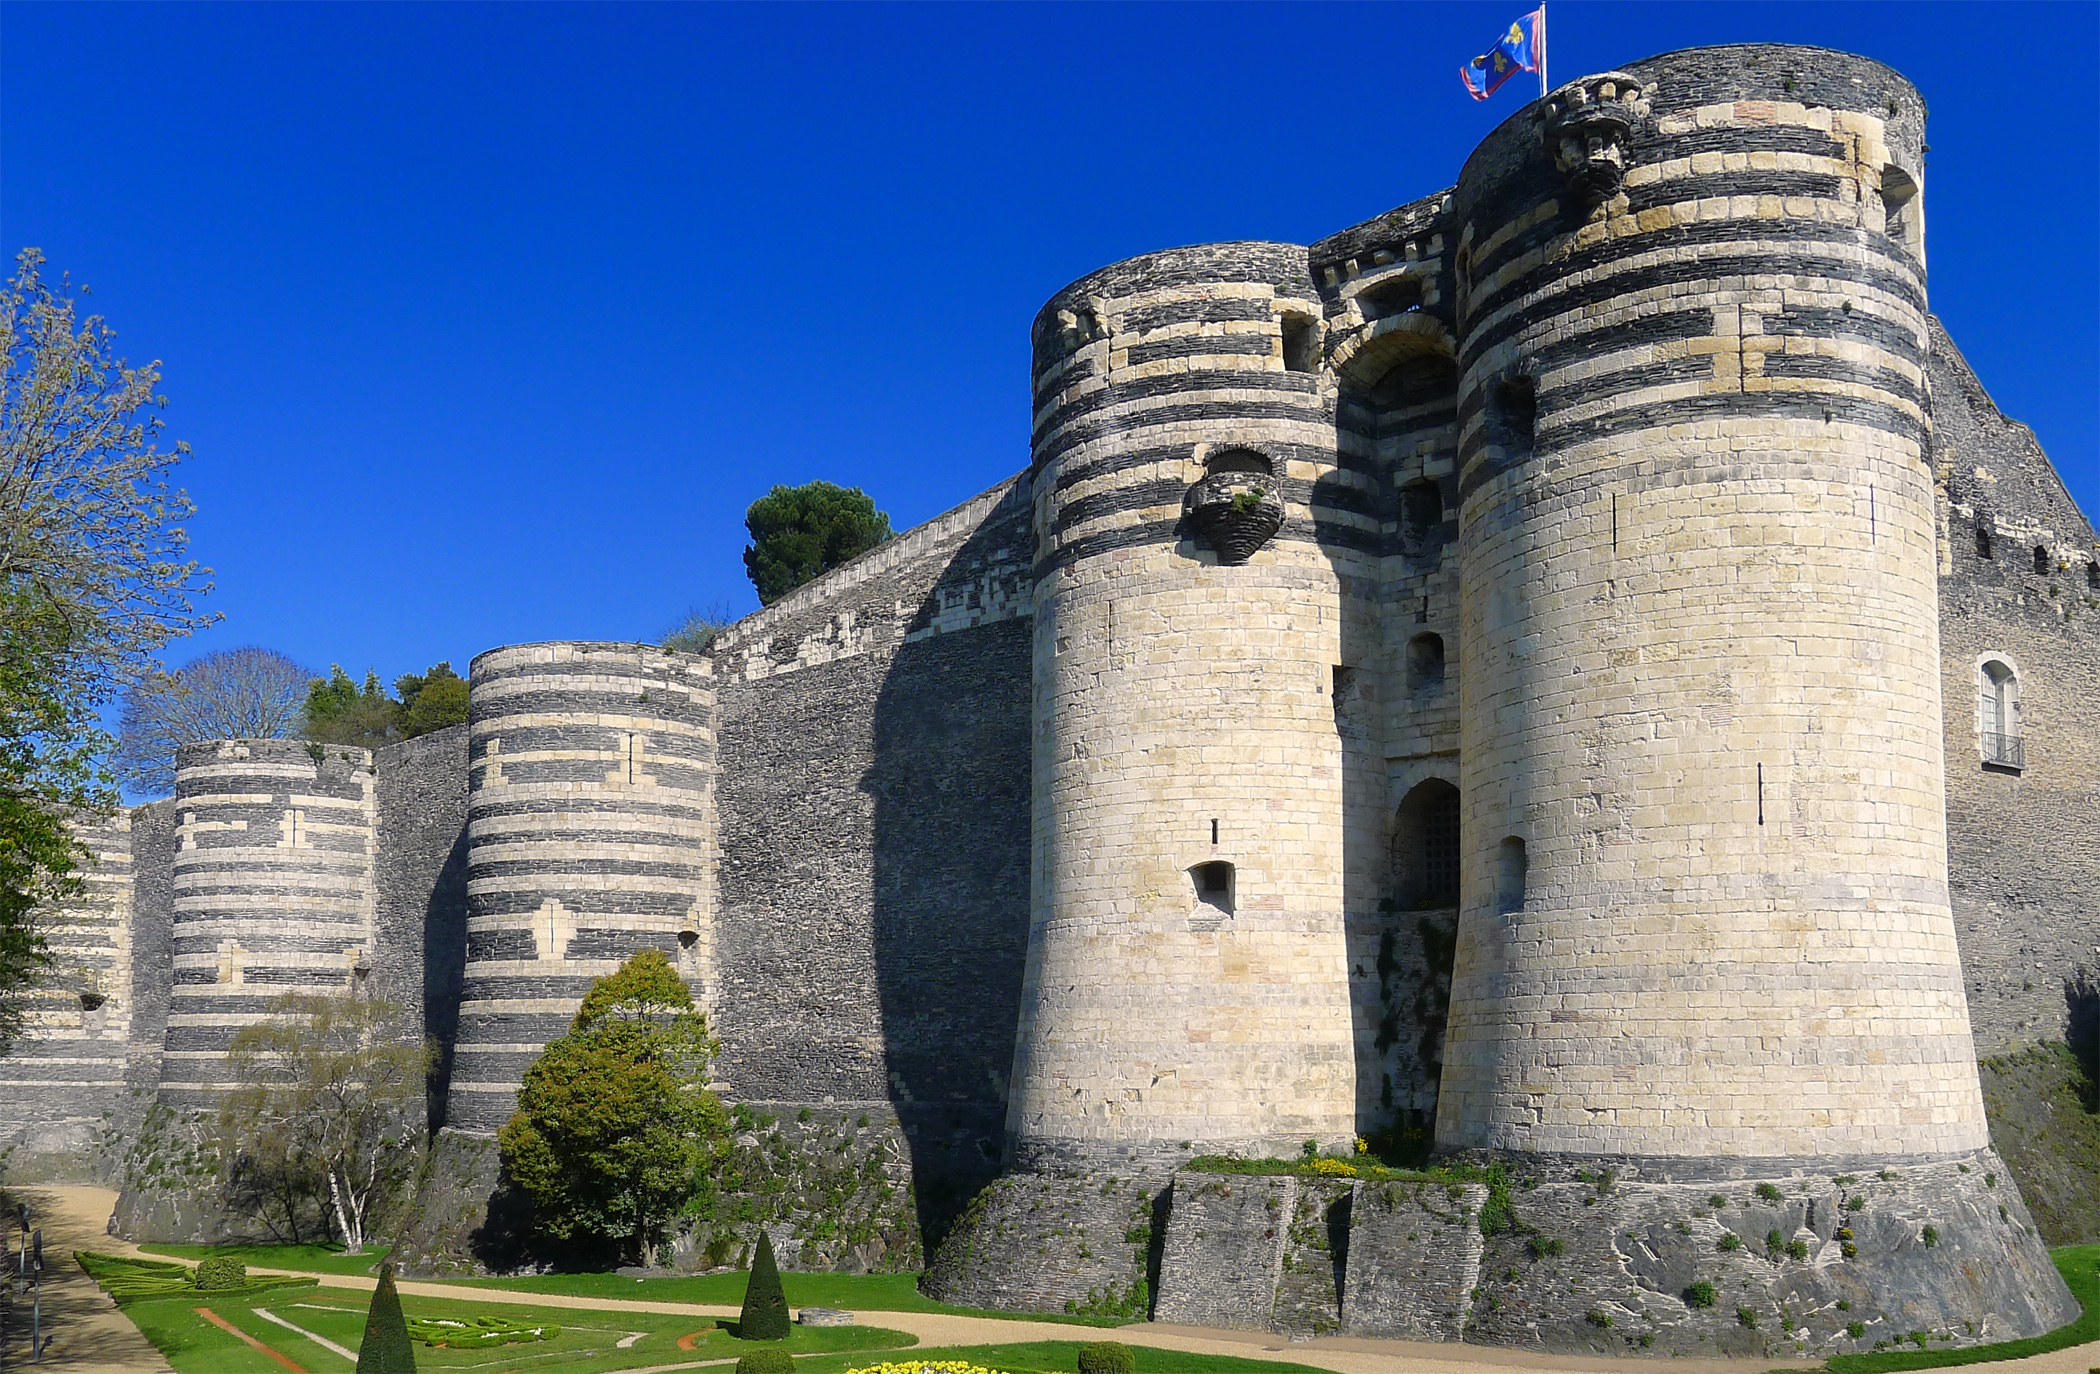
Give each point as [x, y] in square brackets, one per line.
[765, 1315]
[386, 1348]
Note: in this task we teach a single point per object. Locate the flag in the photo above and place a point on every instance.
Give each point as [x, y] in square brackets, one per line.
[1522, 49]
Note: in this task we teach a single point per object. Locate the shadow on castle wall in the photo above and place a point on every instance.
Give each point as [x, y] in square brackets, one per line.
[949, 788]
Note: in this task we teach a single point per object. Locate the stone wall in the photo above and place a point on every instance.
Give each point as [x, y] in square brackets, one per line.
[67, 1068]
[874, 821]
[2023, 851]
[1619, 1257]
[273, 893]
[1704, 896]
[420, 878]
[1198, 622]
[590, 832]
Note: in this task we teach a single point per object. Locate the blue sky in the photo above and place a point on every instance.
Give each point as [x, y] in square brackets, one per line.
[487, 322]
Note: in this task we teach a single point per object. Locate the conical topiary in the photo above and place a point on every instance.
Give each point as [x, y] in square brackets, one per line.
[386, 1348]
[765, 1315]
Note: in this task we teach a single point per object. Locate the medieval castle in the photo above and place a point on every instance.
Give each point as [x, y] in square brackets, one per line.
[1575, 668]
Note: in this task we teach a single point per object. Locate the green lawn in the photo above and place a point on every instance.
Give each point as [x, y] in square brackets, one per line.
[589, 1343]
[2080, 1266]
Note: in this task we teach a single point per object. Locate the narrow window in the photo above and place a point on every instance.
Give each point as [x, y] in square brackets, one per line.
[1510, 870]
[1421, 513]
[1394, 296]
[2092, 572]
[2042, 566]
[1213, 886]
[1998, 716]
[1213, 829]
[1897, 192]
[1513, 411]
[1301, 343]
[1983, 541]
[1425, 663]
[1344, 680]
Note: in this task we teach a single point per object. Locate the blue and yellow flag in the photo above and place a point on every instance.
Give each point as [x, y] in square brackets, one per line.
[1522, 49]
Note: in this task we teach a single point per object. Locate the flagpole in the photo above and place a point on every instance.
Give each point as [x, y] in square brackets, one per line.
[1542, 49]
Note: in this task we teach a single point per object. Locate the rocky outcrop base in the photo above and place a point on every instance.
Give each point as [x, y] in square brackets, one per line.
[1619, 1257]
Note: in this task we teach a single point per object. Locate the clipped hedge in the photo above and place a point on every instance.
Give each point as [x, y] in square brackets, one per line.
[221, 1274]
[1107, 1357]
[130, 1280]
[482, 1333]
[771, 1360]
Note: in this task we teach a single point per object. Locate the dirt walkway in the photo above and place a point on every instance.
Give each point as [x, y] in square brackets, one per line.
[1342, 1354]
[86, 1332]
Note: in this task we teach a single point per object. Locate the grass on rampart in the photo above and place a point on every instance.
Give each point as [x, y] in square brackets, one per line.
[2080, 1266]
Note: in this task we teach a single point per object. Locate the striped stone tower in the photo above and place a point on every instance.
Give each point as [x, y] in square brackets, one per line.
[1705, 906]
[1186, 984]
[273, 892]
[590, 830]
[67, 1067]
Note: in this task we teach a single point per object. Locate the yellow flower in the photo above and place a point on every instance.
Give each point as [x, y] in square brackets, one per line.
[1335, 1167]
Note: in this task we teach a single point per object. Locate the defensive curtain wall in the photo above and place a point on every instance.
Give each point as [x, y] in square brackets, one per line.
[1574, 669]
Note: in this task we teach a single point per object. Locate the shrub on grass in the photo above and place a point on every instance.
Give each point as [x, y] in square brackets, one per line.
[765, 1314]
[1107, 1357]
[217, 1273]
[386, 1348]
[771, 1360]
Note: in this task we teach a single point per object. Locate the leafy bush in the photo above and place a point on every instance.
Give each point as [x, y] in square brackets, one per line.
[1542, 1246]
[1700, 1294]
[221, 1273]
[1731, 1241]
[1107, 1357]
[771, 1360]
[1931, 1236]
[1855, 1329]
[1768, 1192]
[1597, 1317]
[1747, 1316]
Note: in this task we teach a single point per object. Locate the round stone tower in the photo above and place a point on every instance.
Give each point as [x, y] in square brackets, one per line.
[1186, 984]
[273, 892]
[1705, 901]
[590, 833]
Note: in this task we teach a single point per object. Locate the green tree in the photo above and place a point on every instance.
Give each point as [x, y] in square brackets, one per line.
[338, 713]
[93, 582]
[765, 1314]
[386, 1348]
[232, 694]
[614, 1120]
[800, 533]
[329, 1088]
[51, 773]
[431, 701]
